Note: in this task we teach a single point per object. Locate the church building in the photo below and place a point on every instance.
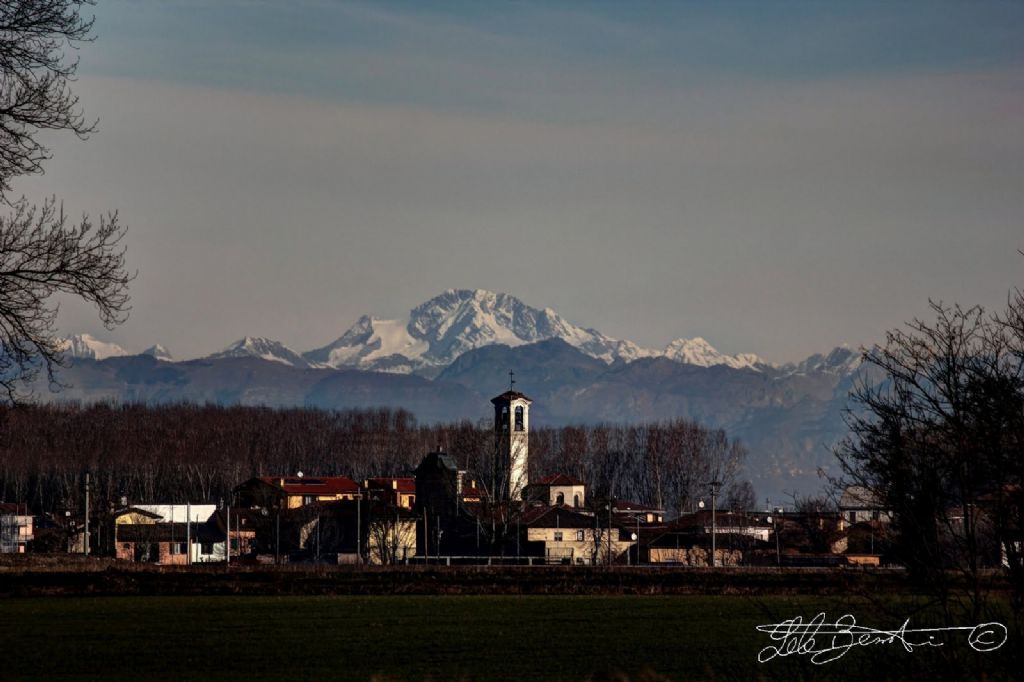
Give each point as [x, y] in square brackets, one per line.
[511, 447]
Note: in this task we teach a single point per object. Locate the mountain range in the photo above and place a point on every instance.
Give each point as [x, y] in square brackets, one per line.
[435, 333]
[452, 353]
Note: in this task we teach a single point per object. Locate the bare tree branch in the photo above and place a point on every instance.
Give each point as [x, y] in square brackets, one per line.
[41, 254]
[35, 77]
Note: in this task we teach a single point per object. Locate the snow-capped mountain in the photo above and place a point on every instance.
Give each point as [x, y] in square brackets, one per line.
[86, 346]
[159, 352]
[260, 347]
[841, 360]
[436, 333]
[697, 351]
[459, 320]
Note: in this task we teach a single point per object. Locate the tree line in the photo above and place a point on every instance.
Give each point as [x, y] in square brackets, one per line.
[192, 453]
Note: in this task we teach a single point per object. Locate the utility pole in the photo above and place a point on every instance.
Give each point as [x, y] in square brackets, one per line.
[86, 513]
[227, 516]
[188, 533]
[359, 528]
[778, 541]
[277, 539]
[714, 495]
[637, 539]
[775, 529]
[611, 503]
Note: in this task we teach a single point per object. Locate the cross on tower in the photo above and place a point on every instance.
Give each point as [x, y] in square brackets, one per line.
[511, 381]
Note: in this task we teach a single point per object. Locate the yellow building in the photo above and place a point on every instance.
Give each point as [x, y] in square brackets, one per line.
[562, 535]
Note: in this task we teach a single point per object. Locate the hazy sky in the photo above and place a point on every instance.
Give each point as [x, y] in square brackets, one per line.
[778, 178]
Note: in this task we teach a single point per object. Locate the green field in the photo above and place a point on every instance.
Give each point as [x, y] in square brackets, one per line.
[435, 638]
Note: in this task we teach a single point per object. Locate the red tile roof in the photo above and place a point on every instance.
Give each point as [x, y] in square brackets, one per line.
[558, 517]
[404, 484]
[472, 491]
[627, 506]
[313, 485]
[723, 519]
[559, 479]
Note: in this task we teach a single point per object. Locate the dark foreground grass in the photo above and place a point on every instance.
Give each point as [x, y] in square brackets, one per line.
[442, 638]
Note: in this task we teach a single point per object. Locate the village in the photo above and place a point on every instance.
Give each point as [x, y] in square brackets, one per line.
[444, 514]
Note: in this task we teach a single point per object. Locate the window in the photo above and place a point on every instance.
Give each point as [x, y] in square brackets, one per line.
[234, 544]
[519, 418]
[177, 548]
[206, 548]
[558, 536]
[579, 536]
[560, 498]
[575, 500]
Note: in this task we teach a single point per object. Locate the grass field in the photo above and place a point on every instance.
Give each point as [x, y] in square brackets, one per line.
[432, 638]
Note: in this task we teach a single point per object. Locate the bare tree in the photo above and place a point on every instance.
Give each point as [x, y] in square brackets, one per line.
[740, 496]
[938, 440]
[818, 519]
[41, 254]
[390, 534]
[35, 76]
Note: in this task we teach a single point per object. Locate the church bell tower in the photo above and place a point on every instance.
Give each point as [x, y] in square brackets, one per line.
[511, 440]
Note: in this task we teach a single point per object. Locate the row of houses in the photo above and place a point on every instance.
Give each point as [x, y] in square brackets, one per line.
[445, 513]
[336, 519]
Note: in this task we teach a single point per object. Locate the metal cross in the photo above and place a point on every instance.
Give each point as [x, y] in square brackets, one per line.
[511, 381]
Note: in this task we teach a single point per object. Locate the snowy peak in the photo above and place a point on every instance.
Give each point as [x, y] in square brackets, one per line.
[89, 347]
[841, 360]
[159, 352]
[373, 343]
[260, 347]
[459, 320]
[697, 351]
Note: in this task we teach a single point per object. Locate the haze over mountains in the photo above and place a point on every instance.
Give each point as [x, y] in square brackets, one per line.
[451, 354]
